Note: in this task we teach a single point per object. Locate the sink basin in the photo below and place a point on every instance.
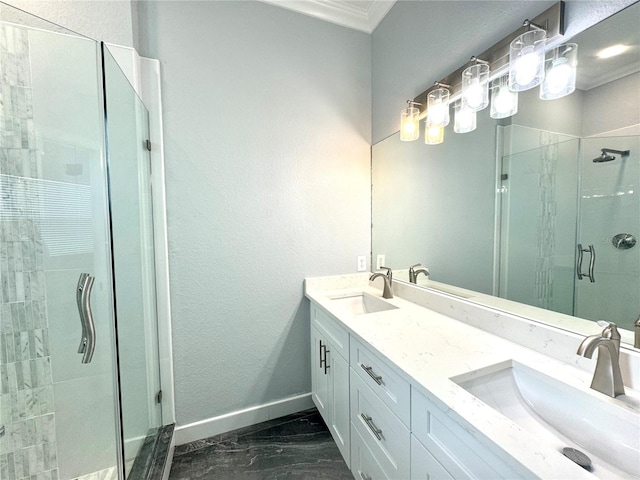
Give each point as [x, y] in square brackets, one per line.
[561, 415]
[361, 303]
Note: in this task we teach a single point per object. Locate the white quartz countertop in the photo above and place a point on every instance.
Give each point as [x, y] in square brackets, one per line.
[428, 348]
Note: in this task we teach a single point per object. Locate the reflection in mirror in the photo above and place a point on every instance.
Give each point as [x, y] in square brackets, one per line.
[529, 208]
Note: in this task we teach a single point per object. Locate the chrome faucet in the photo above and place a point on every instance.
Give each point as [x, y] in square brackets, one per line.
[607, 378]
[636, 334]
[413, 272]
[387, 292]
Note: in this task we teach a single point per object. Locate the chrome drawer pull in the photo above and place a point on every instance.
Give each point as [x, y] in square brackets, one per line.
[326, 366]
[364, 476]
[369, 370]
[375, 430]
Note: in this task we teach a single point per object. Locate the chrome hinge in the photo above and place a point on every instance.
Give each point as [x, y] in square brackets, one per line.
[504, 176]
[148, 144]
[159, 396]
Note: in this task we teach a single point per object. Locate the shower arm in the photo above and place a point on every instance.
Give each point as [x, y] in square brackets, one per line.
[624, 153]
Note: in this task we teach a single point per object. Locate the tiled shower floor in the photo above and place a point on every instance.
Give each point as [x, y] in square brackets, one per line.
[297, 446]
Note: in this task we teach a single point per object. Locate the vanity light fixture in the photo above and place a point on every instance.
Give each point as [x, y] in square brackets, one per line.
[433, 133]
[526, 58]
[560, 72]
[475, 85]
[438, 106]
[504, 102]
[464, 117]
[410, 122]
[515, 63]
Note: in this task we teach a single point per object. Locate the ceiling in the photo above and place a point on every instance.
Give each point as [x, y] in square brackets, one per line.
[362, 15]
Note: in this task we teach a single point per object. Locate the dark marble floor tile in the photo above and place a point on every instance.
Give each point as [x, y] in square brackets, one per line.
[298, 448]
[235, 434]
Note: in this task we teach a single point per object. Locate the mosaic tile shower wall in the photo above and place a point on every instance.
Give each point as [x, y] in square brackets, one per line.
[546, 221]
[27, 420]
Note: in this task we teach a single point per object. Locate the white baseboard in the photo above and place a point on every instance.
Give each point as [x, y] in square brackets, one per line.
[241, 418]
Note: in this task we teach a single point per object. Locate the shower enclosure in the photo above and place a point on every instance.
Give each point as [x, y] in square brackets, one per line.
[568, 225]
[79, 365]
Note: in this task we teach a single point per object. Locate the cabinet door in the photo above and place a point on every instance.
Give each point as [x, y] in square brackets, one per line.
[363, 463]
[424, 466]
[319, 379]
[339, 400]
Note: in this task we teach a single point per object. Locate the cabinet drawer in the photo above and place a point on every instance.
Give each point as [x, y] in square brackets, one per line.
[424, 466]
[455, 449]
[385, 435]
[331, 330]
[392, 389]
[363, 464]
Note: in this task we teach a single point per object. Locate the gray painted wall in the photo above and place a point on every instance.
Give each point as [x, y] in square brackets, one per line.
[420, 42]
[267, 132]
[108, 21]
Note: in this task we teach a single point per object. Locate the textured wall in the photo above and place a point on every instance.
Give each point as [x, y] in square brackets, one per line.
[418, 43]
[267, 133]
[109, 21]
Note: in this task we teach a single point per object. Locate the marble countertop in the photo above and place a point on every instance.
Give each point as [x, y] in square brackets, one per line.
[428, 348]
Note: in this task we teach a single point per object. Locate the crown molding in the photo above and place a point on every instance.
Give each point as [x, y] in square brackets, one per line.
[362, 15]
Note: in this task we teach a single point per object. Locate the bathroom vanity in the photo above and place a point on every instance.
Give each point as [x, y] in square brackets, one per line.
[410, 392]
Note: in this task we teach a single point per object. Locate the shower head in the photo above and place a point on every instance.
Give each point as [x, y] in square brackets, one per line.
[604, 158]
[608, 158]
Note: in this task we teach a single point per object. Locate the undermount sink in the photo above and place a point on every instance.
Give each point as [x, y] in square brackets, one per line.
[361, 303]
[561, 415]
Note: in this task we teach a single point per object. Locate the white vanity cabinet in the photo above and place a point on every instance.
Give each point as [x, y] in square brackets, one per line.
[330, 377]
[380, 412]
[442, 449]
[385, 427]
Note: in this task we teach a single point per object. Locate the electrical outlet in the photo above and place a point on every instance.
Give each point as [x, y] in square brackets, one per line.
[362, 263]
[380, 261]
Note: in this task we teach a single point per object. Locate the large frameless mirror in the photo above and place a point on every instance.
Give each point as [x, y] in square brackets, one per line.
[541, 208]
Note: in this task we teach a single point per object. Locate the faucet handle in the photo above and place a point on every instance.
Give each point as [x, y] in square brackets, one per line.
[610, 330]
[414, 266]
[389, 273]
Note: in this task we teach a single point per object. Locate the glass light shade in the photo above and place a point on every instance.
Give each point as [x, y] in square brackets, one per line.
[526, 60]
[504, 102]
[409, 124]
[438, 107]
[475, 86]
[433, 133]
[464, 117]
[560, 72]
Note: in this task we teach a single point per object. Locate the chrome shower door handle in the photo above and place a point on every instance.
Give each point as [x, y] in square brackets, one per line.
[88, 316]
[579, 264]
[592, 262]
[83, 322]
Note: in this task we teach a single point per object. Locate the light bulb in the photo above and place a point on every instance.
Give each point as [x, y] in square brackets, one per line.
[527, 66]
[434, 134]
[502, 100]
[559, 75]
[473, 94]
[409, 128]
[437, 114]
[560, 72]
[464, 118]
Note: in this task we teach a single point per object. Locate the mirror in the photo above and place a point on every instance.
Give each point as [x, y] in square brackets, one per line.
[512, 209]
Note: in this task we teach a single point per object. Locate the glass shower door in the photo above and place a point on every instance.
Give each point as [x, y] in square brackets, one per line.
[58, 395]
[609, 225]
[538, 225]
[129, 165]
